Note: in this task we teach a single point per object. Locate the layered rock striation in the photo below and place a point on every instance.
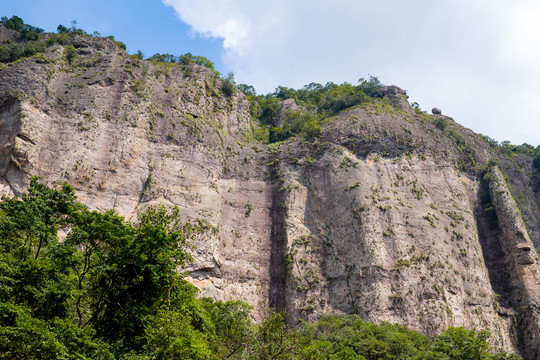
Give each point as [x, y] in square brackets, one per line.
[386, 214]
[522, 260]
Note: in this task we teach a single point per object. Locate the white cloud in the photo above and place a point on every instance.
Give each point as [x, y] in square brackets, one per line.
[478, 61]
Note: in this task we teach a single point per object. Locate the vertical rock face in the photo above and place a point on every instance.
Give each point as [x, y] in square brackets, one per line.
[519, 250]
[10, 127]
[389, 239]
[385, 214]
[128, 134]
[522, 259]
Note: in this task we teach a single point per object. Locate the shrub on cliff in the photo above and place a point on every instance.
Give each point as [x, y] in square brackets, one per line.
[14, 51]
[228, 86]
[185, 59]
[71, 54]
[319, 101]
[27, 32]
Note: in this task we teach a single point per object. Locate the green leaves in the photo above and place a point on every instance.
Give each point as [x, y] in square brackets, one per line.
[107, 274]
[25, 337]
[317, 102]
[462, 344]
[351, 338]
[110, 289]
[71, 54]
[16, 23]
[28, 236]
[170, 335]
[185, 59]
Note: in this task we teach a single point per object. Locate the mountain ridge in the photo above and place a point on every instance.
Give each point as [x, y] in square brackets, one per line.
[381, 213]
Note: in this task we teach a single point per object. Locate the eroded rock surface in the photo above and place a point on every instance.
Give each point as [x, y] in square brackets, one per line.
[386, 214]
[522, 259]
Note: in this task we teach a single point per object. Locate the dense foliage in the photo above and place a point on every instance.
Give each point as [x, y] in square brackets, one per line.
[100, 285]
[81, 284]
[316, 101]
[185, 59]
[509, 150]
[12, 51]
[26, 31]
[35, 42]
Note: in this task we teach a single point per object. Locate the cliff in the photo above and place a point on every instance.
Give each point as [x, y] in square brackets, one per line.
[382, 215]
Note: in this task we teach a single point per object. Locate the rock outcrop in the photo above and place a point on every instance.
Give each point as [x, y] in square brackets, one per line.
[288, 105]
[522, 259]
[10, 128]
[383, 215]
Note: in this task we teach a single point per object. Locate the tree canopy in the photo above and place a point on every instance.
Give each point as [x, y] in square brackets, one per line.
[28, 32]
[317, 102]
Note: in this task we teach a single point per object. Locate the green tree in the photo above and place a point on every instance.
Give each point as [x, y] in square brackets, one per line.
[138, 55]
[107, 274]
[61, 29]
[249, 90]
[461, 344]
[28, 236]
[371, 87]
[14, 23]
[233, 326]
[27, 32]
[170, 335]
[273, 339]
[228, 86]
[166, 58]
[124, 272]
[71, 54]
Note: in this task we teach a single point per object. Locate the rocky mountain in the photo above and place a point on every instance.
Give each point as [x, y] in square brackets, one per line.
[389, 213]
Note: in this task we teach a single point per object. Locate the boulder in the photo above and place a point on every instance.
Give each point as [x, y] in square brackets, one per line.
[288, 105]
[392, 90]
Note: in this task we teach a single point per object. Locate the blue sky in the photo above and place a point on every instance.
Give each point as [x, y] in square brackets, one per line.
[478, 61]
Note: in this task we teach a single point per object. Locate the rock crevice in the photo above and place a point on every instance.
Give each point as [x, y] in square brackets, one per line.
[521, 258]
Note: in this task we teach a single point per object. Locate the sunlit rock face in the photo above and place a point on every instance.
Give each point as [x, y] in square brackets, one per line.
[387, 214]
